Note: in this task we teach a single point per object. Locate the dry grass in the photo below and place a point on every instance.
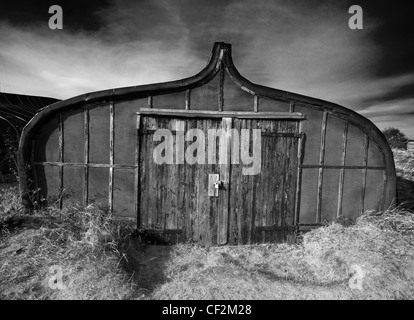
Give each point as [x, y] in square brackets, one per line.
[100, 260]
[318, 268]
[404, 163]
[84, 242]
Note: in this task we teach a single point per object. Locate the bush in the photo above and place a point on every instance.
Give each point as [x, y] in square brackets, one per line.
[395, 138]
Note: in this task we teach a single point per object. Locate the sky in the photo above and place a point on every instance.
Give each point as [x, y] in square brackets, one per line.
[304, 46]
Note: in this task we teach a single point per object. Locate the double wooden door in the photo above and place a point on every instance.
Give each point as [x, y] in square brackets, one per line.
[217, 180]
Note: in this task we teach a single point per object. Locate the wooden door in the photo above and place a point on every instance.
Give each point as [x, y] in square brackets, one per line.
[175, 196]
[174, 199]
[262, 206]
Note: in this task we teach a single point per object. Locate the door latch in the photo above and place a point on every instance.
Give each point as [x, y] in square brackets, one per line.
[214, 184]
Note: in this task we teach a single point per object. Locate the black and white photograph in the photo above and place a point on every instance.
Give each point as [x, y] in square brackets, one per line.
[205, 155]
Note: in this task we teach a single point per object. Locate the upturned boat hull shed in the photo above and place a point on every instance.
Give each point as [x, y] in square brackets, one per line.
[132, 151]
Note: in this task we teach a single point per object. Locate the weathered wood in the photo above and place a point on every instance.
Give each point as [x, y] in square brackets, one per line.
[111, 158]
[256, 103]
[275, 228]
[188, 99]
[292, 106]
[150, 102]
[220, 97]
[174, 196]
[300, 155]
[342, 171]
[316, 166]
[364, 174]
[86, 155]
[160, 231]
[36, 184]
[224, 200]
[60, 160]
[221, 114]
[89, 165]
[384, 190]
[321, 163]
[267, 198]
[136, 173]
[267, 134]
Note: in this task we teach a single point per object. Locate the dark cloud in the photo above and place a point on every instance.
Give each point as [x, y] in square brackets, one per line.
[393, 34]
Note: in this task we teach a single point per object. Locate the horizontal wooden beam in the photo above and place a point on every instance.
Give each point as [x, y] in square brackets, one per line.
[165, 231]
[221, 114]
[89, 165]
[275, 228]
[317, 166]
[126, 166]
[266, 134]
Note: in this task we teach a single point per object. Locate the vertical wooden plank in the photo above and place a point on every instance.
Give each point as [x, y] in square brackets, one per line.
[364, 173]
[137, 168]
[149, 101]
[220, 107]
[111, 157]
[86, 155]
[321, 162]
[342, 171]
[224, 194]
[36, 185]
[256, 104]
[301, 149]
[384, 190]
[292, 106]
[60, 160]
[188, 99]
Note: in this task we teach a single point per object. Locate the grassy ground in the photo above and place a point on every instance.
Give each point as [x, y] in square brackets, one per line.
[100, 259]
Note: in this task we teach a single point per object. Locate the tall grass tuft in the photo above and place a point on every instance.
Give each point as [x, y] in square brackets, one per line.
[84, 242]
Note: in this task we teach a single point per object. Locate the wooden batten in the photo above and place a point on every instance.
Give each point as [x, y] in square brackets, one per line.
[221, 94]
[292, 106]
[342, 171]
[136, 173]
[256, 103]
[36, 185]
[364, 174]
[384, 190]
[320, 173]
[89, 165]
[149, 102]
[86, 156]
[324, 166]
[222, 114]
[111, 157]
[60, 160]
[224, 199]
[188, 99]
[301, 149]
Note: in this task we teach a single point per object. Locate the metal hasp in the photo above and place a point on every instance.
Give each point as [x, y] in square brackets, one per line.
[214, 184]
